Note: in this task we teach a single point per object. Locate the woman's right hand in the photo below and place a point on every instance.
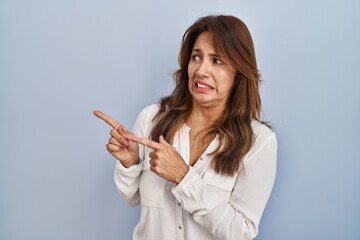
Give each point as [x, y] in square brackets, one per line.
[120, 144]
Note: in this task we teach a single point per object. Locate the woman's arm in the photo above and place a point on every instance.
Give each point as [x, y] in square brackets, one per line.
[239, 218]
[127, 179]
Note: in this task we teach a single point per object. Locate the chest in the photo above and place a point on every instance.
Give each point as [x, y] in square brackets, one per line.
[198, 143]
[195, 152]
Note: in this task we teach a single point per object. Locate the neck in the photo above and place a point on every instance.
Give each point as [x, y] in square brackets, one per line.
[202, 117]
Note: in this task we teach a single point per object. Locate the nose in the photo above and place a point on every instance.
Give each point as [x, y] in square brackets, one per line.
[203, 69]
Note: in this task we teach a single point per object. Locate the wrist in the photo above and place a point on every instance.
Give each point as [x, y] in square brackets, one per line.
[130, 163]
[182, 174]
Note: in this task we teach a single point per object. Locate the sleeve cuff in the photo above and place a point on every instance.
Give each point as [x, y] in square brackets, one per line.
[186, 189]
[132, 171]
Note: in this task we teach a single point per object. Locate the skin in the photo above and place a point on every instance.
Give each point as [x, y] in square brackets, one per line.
[120, 144]
[205, 67]
[208, 67]
[165, 161]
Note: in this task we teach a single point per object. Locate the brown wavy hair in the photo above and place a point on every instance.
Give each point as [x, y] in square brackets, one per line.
[232, 39]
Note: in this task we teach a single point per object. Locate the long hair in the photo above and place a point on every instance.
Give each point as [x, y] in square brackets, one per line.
[232, 39]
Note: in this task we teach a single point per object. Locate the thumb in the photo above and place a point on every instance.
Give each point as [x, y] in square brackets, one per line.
[163, 141]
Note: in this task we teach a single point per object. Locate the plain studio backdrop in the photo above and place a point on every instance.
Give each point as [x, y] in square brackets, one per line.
[60, 60]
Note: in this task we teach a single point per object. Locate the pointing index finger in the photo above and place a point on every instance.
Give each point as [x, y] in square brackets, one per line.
[149, 143]
[109, 120]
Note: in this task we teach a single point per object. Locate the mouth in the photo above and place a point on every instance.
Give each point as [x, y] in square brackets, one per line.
[203, 85]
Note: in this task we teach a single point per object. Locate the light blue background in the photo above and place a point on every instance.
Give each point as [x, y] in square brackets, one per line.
[60, 60]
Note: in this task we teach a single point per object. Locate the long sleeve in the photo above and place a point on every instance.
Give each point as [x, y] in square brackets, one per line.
[127, 182]
[238, 216]
[127, 179]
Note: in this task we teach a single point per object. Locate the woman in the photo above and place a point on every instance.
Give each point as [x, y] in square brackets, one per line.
[209, 166]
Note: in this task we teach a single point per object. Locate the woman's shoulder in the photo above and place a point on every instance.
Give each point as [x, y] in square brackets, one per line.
[150, 110]
[264, 137]
[147, 114]
[262, 132]
[144, 120]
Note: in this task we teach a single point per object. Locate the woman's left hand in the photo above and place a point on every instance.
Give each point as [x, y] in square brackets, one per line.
[165, 161]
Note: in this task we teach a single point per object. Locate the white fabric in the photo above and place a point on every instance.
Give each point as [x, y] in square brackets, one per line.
[204, 205]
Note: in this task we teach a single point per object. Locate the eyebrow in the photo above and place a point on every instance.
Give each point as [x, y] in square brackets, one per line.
[198, 50]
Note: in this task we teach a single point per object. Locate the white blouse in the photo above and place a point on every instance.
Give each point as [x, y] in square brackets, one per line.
[204, 205]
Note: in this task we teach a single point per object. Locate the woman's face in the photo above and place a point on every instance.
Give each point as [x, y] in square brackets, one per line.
[210, 80]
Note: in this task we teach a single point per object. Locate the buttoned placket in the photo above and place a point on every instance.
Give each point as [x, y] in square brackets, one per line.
[200, 167]
[179, 222]
[185, 142]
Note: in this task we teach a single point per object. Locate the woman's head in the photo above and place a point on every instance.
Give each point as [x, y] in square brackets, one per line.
[210, 78]
[232, 41]
[223, 39]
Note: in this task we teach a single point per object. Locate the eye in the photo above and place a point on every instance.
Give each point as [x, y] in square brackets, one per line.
[195, 58]
[217, 61]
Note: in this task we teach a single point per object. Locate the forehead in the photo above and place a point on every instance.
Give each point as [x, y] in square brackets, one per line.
[204, 40]
[205, 44]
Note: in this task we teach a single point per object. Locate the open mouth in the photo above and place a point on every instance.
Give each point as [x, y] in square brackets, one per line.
[203, 85]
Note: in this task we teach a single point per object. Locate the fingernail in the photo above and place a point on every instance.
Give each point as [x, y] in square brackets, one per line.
[134, 139]
[125, 143]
